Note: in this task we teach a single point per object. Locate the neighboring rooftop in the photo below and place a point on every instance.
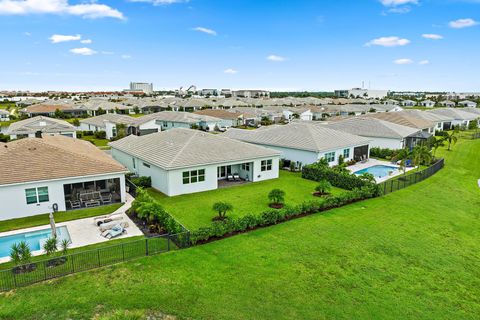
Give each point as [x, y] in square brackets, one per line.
[301, 136]
[47, 158]
[174, 116]
[403, 119]
[180, 148]
[99, 121]
[40, 123]
[219, 113]
[455, 113]
[372, 127]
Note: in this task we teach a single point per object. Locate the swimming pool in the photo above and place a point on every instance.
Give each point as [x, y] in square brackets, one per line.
[34, 239]
[378, 171]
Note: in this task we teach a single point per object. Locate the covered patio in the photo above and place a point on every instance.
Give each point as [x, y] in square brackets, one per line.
[92, 193]
[234, 174]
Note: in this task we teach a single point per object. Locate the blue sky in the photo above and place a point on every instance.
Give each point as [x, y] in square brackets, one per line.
[276, 45]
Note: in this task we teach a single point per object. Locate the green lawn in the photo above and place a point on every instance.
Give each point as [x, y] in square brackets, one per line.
[42, 219]
[413, 254]
[101, 143]
[195, 210]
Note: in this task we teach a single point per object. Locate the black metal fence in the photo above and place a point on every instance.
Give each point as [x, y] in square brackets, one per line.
[131, 188]
[412, 178]
[59, 266]
[476, 135]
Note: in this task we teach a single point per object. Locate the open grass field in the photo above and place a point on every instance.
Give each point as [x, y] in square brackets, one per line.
[413, 254]
[42, 219]
[195, 210]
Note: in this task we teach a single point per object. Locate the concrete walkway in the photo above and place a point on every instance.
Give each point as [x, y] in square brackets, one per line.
[84, 232]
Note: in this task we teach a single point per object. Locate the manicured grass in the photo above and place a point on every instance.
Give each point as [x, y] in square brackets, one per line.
[101, 143]
[42, 219]
[413, 254]
[195, 210]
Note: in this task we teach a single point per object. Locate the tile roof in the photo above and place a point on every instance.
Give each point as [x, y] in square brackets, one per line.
[40, 123]
[48, 108]
[99, 121]
[181, 148]
[455, 113]
[301, 136]
[403, 118]
[219, 113]
[174, 116]
[47, 158]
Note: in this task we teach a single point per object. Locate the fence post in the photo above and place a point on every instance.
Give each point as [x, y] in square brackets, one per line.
[168, 243]
[146, 246]
[73, 264]
[14, 279]
[98, 256]
[123, 252]
[45, 269]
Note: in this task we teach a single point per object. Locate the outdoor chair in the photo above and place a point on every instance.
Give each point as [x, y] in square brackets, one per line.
[230, 177]
[114, 232]
[236, 176]
[75, 204]
[106, 199]
[109, 225]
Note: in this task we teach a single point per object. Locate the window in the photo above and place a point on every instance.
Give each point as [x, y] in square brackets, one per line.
[193, 176]
[246, 166]
[37, 195]
[134, 164]
[346, 153]
[330, 157]
[146, 165]
[266, 165]
[164, 124]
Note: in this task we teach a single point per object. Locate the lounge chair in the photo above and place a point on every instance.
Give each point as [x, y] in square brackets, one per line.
[114, 232]
[236, 176]
[230, 177]
[107, 226]
[75, 204]
[112, 216]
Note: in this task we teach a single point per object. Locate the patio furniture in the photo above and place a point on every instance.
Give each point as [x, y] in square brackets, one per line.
[230, 177]
[90, 199]
[107, 226]
[75, 204]
[92, 203]
[112, 216]
[236, 177]
[114, 232]
[106, 198]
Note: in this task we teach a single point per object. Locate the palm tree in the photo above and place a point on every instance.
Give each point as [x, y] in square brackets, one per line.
[403, 155]
[421, 154]
[437, 143]
[451, 138]
[222, 208]
[276, 196]
[323, 187]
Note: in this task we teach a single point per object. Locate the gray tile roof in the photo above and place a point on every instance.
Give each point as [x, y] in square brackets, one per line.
[455, 113]
[99, 121]
[182, 148]
[174, 116]
[40, 123]
[371, 127]
[301, 136]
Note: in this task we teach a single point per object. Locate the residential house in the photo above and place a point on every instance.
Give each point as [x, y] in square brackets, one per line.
[382, 134]
[442, 122]
[306, 142]
[467, 103]
[408, 103]
[4, 115]
[228, 119]
[108, 122]
[406, 119]
[94, 106]
[427, 103]
[69, 172]
[460, 117]
[40, 126]
[181, 161]
[447, 103]
[49, 109]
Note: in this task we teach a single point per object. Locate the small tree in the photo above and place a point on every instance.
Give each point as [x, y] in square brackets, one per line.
[20, 253]
[292, 166]
[50, 246]
[276, 196]
[64, 244]
[421, 155]
[403, 155]
[136, 109]
[221, 208]
[323, 187]
[76, 122]
[451, 138]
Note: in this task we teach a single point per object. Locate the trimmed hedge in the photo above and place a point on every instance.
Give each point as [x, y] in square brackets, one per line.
[143, 182]
[231, 226]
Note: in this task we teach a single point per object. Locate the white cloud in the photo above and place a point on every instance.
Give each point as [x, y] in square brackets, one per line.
[462, 23]
[126, 56]
[160, 2]
[86, 41]
[83, 51]
[400, 10]
[432, 36]
[388, 42]
[394, 3]
[276, 58]
[230, 71]
[403, 61]
[27, 34]
[91, 10]
[206, 30]
[58, 38]
[424, 62]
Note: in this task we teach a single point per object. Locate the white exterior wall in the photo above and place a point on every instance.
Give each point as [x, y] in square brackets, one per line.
[14, 204]
[306, 116]
[64, 133]
[394, 144]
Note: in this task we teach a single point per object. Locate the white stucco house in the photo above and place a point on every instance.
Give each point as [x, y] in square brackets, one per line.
[181, 161]
[427, 103]
[106, 122]
[41, 126]
[408, 103]
[4, 115]
[306, 142]
[460, 117]
[382, 134]
[467, 103]
[69, 172]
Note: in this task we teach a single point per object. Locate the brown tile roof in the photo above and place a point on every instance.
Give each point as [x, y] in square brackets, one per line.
[35, 159]
[47, 108]
[218, 113]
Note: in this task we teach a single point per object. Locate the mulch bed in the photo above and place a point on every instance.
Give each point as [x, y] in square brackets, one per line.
[276, 205]
[144, 227]
[320, 194]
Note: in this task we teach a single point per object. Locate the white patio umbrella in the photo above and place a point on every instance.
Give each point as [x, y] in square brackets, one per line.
[52, 224]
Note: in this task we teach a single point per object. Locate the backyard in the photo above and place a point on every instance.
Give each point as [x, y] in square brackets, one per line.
[195, 210]
[413, 254]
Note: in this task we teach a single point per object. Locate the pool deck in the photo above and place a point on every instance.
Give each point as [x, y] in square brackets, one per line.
[83, 232]
[375, 162]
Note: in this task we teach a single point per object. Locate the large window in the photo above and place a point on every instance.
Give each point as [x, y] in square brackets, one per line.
[266, 165]
[193, 176]
[330, 157]
[36, 195]
[346, 153]
[246, 166]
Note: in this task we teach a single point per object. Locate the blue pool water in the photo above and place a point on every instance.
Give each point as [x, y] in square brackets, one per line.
[378, 171]
[33, 238]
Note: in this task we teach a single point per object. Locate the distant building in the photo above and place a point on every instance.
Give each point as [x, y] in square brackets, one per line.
[208, 92]
[427, 103]
[251, 94]
[227, 93]
[468, 103]
[141, 86]
[362, 93]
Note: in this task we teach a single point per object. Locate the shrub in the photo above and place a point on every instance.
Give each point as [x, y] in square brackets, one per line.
[20, 253]
[276, 196]
[323, 187]
[383, 153]
[100, 134]
[50, 246]
[221, 208]
[144, 182]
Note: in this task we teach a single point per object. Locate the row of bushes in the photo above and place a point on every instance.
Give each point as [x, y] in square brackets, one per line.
[96, 134]
[338, 177]
[143, 182]
[230, 226]
[383, 153]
